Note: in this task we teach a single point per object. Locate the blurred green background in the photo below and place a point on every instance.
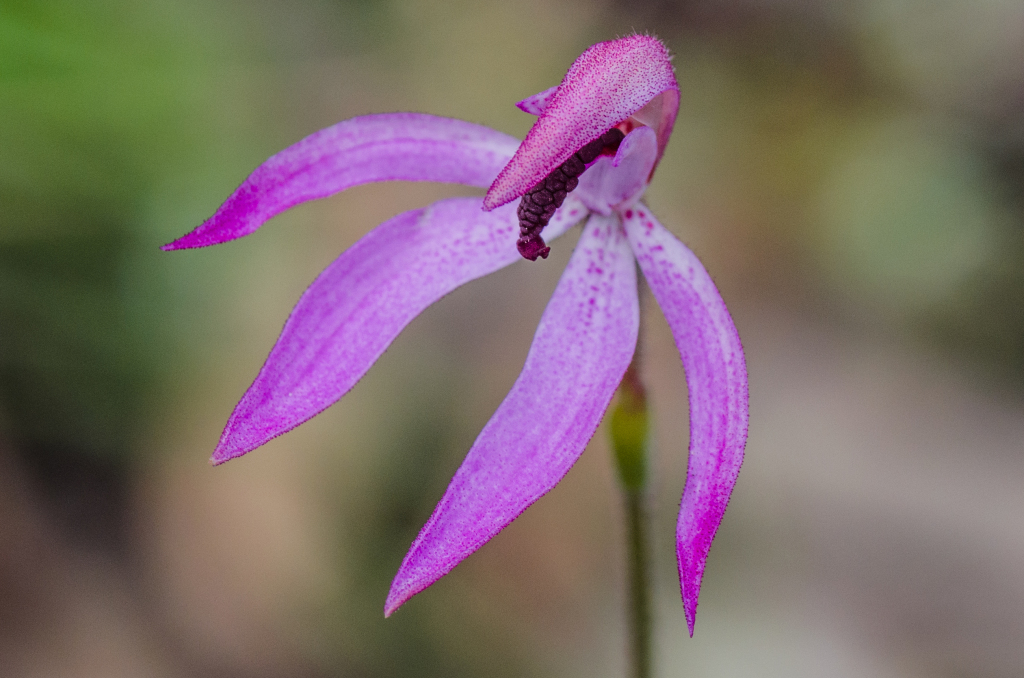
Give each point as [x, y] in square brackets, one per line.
[852, 174]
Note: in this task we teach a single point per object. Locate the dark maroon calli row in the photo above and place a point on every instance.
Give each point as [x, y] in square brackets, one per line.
[540, 202]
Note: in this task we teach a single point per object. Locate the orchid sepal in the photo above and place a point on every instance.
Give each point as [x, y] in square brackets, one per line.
[582, 347]
[370, 148]
[354, 310]
[716, 377]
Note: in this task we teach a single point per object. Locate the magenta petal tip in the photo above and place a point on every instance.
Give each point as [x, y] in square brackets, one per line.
[397, 598]
[221, 455]
[189, 241]
[536, 104]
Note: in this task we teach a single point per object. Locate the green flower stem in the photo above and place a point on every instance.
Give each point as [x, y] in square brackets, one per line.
[639, 589]
[629, 425]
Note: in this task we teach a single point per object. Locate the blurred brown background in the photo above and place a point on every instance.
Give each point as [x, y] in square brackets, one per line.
[852, 174]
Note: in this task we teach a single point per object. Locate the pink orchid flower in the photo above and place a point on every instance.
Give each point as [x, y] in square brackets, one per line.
[612, 114]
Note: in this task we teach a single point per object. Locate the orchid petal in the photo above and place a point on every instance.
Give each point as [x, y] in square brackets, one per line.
[359, 304]
[582, 347]
[716, 376]
[386, 147]
[536, 104]
[612, 181]
[607, 84]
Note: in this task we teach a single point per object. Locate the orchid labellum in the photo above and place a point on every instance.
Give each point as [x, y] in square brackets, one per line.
[588, 158]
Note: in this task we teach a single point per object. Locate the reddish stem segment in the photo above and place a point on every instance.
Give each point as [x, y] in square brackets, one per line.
[540, 202]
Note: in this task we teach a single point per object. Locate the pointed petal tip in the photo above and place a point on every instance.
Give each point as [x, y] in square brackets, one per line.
[689, 587]
[185, 242]
[406, 584]
[536, 104]
[231, 446]
[391, 605]
[195, 238]
[220, 456]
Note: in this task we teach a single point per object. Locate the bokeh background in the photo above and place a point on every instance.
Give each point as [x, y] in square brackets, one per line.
[852, 174]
